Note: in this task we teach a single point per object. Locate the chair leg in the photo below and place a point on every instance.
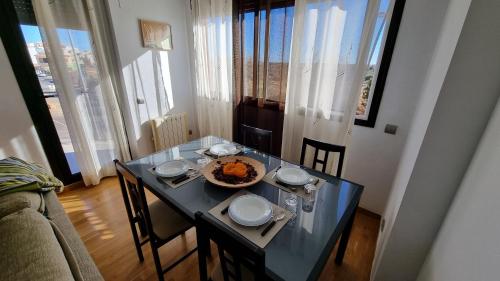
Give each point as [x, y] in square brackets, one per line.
[202, 257]
[207, 248]
[137, 242]
[156, 258]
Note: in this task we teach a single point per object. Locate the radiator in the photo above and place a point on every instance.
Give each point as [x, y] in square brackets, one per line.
[169, 130]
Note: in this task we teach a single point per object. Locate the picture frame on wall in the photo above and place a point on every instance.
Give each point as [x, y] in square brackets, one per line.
[156, 35]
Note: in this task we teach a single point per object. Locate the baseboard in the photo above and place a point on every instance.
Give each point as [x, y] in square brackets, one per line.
[74, 185]
[369, 213]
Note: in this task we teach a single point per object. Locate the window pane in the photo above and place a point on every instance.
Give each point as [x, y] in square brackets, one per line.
[375, 55]
[82, 68]
[279, 50]
[248, 30]
[272, 71]
[286, 51]
[39, 59]
[262, 46]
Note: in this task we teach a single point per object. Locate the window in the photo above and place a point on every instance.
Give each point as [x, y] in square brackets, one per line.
[266, 31]
[381, 47]
[265, 39]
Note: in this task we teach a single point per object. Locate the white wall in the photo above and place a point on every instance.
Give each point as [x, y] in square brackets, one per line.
[467, 246]
[18, 136]
[373, 155]
[162, 78]
[443, 138]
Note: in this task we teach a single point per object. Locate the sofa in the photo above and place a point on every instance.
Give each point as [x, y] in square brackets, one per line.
[38, 241]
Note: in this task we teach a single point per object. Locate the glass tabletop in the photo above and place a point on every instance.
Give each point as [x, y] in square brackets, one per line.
[301, 248]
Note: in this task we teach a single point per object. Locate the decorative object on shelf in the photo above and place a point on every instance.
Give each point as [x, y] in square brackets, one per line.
[156, 35]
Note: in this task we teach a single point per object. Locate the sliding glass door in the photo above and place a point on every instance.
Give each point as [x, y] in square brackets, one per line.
[22, 40]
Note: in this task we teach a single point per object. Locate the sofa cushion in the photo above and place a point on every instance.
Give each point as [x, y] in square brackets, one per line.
[14, 202]
[57, 215]
[30, 250]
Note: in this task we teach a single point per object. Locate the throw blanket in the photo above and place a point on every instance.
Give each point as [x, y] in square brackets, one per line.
[19, 175]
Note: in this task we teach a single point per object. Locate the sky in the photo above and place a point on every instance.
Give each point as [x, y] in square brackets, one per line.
[81, 39]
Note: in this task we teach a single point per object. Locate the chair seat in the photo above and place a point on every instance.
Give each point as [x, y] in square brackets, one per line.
[166, 222]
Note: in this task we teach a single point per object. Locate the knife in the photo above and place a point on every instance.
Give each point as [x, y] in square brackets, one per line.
[224, 211]
[292, 188]
[181, 179]
[276, 172]
[266, 230]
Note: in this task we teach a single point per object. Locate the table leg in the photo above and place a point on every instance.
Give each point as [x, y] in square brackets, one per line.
[344, 239]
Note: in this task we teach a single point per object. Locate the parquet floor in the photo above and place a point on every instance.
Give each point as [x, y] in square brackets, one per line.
[99, 216]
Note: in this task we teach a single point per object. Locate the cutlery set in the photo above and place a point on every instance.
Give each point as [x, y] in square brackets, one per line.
[183, 177]
[279, 216]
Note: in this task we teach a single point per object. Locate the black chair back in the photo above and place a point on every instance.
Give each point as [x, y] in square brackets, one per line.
[327, 148]
[257, 138]
[234, 251]
[136, 205]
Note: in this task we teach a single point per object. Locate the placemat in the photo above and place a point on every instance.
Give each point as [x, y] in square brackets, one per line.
[253, 234]
[206, 152]
[299, 191]
[193, 174]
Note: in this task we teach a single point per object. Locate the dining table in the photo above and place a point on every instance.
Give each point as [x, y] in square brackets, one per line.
[300, 250]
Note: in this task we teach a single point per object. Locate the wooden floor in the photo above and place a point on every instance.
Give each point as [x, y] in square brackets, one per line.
[99, 216]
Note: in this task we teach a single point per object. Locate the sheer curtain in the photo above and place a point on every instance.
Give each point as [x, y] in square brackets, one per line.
[330, 41]
[82, 62]
[212, 28]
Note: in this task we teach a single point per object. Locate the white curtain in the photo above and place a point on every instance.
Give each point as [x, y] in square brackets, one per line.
[212, 28]
[83, 65]
[330, 42]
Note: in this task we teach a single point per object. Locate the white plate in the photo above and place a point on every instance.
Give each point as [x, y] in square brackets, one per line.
[224, 149]
[172, 168]
[250, 210]
[293, 176]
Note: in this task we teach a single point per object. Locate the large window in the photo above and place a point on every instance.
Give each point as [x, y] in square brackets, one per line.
[381, 47]
[265, 41]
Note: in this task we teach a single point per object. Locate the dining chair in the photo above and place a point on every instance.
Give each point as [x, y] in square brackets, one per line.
[239, 259]
[158, 221]
[327, 148]
[257, 138]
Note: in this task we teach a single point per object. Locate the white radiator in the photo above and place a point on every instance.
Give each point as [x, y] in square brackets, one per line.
[169, 130]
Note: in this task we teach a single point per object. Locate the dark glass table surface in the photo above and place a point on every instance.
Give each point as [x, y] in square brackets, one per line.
[301, 248]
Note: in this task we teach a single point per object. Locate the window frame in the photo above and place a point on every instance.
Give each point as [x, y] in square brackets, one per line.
[383, 68]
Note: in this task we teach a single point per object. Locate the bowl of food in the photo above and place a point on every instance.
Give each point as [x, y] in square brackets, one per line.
[234, 171]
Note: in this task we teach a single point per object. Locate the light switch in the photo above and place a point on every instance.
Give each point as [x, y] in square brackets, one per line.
[390, 129]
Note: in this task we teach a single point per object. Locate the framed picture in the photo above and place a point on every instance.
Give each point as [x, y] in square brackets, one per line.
[156, 35]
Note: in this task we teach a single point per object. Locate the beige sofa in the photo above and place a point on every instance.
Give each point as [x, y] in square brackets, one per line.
[38, 242]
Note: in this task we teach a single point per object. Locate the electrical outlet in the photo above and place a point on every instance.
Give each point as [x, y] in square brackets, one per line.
[390, 129]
